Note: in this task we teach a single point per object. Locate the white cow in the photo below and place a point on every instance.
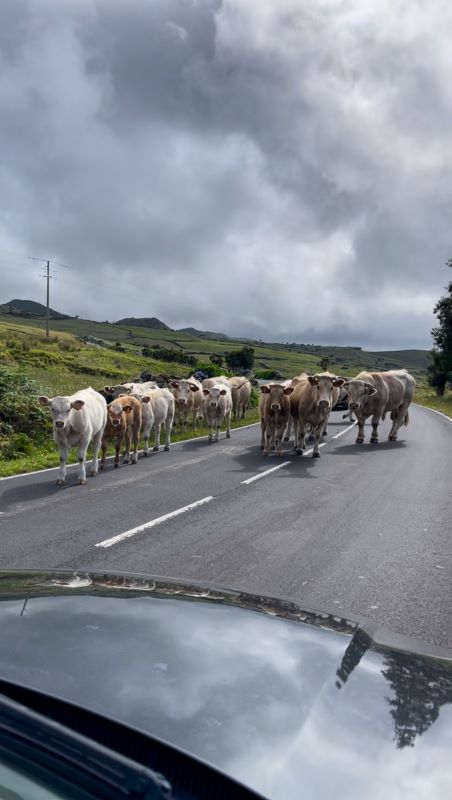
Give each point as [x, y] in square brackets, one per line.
[241, 393]
[77, 419]
[188, 397]
[157, 410]
[217, 407]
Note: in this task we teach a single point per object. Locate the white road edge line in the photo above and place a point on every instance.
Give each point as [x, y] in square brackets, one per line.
[74, 466]
[152, 523]
[435, 411]
[284, 463]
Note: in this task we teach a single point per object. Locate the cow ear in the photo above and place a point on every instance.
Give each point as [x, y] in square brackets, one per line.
[313, 380]
[77, 404]
[145, 399]
[193, 387]
[44, 401]
[174, 384]
[265, 389]
[370, 390]
[289, 390]
[338, 381]
[223, 391]
[205, 392]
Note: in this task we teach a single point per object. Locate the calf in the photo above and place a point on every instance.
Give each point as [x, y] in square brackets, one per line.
[217, 407]
[274, 410]
[310, 404]
[157, 410]
[77, 419]
[123, 425]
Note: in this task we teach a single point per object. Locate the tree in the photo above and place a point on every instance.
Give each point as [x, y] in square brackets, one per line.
[240, 359]
[324, 363]
[440, 369]
[217, 359]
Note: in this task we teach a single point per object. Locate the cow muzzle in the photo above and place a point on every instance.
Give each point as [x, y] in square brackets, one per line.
[116, 422]
[181, 402]
[323, 403]
[275, 407]
[59, 423]
[353, 406]
[213, 405]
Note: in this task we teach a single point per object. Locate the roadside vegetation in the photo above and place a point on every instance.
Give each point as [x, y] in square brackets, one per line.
[31, 365]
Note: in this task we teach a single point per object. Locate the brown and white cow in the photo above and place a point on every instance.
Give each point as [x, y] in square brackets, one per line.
[274, 410]
[123, 425]
[241, 393]
[188, 400]
[375, 394]
[157, 410]
[217, 408]
[310, 404]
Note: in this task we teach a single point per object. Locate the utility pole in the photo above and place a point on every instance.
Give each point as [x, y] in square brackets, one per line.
[48, 276]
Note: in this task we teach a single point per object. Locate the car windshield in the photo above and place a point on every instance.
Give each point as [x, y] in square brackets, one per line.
[225, 337]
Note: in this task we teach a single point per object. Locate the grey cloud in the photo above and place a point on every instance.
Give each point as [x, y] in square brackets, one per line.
[258, 168]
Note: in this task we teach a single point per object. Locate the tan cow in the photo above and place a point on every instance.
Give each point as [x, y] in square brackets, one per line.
[303, 376]
[123, 425]
[217, 408]
[274, 410]
[375, 394]
[310, 404]
[188, 398]
[241, 393]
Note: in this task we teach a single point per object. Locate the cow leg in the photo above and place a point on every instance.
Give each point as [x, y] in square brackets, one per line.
[156, 447]
[127, 440]
[397, 421]
[81, 455]
[61, 475]
[317, 435]
[136, 443]
[117, 451]
[375, 423]
[279, 438]
[288, 431]
[269, 436]
[104, 446]
[300, 440]
[262, 434]
[168, 426]
[94, 466]
[210, 425]
[360, 435]
[228, 424]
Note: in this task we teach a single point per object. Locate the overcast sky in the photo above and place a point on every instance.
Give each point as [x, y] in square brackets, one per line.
[268, 168]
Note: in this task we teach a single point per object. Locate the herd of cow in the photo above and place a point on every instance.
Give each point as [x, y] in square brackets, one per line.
[127, 412]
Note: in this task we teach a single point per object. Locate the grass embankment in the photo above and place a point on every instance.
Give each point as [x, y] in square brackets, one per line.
[426, 396]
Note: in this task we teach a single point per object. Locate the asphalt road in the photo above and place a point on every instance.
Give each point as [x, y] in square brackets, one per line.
[363, 531]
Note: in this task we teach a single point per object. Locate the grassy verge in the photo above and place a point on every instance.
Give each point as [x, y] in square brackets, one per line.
[426, 396]
[46, 455]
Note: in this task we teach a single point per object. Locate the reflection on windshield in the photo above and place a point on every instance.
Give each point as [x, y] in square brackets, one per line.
[420, 688]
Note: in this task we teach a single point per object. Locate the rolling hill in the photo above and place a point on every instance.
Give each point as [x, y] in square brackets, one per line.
[144, 322]
[30, 307]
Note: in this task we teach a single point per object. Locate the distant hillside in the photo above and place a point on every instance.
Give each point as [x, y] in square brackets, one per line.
[203, 334]
[144, 322]
[30, 308]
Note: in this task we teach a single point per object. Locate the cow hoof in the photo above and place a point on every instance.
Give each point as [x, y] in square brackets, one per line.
[145, 453]
[102, 467]
[228, 435]
[359, 440]
[82, 482]
[166, 448]
[155, 449]
[299, 452]
[117, 465]
[324, 433]
[286, 439]
[373, 440]
[265, 453]
[315, 455]
[280, 453]
[92, 474]
[60, 483]
[392, 438]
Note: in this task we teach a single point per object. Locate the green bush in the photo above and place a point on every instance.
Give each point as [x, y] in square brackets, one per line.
[20, 412]
[16, 446]
[268, 375]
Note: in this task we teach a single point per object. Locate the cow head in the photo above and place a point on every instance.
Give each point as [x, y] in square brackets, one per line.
[183, 390]
[115, 411]
[324, 384]
[276, 392]
[212, 395]
[61, 408]
[358, 393]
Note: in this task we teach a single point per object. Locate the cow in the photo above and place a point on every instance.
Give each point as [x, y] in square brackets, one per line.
[375, 394]
[274, 411]
[310, 404]
[77, 419]
[293, 382]
[123, 425]
[157, 410]
[217, 408]
[188, 400]
[241, 393]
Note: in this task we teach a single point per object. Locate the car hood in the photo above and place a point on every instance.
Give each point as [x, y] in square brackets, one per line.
[292, 702]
